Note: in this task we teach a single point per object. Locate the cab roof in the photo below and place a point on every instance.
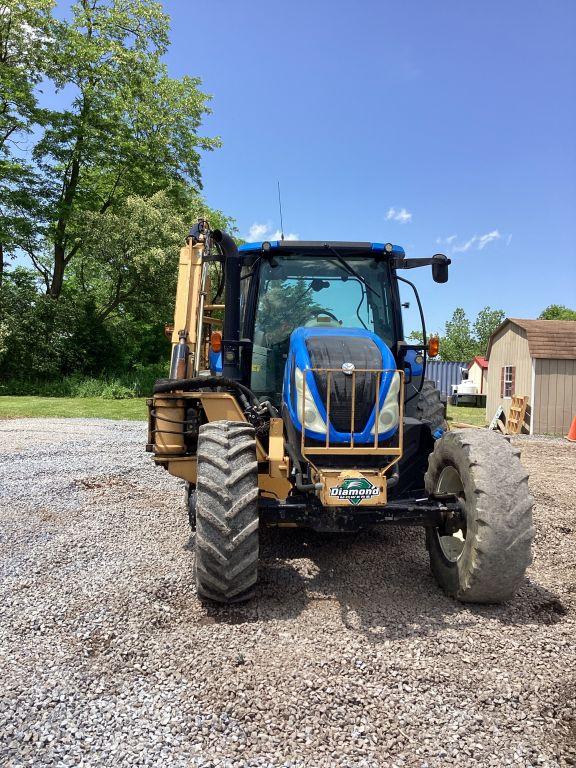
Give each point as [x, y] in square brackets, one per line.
[320, 246]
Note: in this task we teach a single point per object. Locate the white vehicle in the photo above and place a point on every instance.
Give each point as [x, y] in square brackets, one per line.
[466, 393]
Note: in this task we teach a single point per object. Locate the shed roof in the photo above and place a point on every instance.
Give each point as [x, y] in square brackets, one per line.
[551, 339]
[481, 361]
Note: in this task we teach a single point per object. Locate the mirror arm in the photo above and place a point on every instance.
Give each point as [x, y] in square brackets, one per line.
[403, 263]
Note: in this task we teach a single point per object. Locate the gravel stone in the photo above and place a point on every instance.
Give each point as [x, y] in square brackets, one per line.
[349, 656]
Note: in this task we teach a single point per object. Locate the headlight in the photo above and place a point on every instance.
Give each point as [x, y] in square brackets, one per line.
[389, 413]
[312, 418]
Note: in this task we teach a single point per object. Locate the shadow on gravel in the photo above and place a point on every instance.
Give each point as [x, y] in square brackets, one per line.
[378, 580]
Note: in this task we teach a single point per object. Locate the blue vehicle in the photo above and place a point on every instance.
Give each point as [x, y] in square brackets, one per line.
[305, 406]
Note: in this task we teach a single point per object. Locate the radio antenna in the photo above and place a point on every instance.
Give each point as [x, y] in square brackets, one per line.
[280, 207]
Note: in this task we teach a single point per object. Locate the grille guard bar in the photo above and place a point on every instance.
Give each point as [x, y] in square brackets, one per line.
[373, 450]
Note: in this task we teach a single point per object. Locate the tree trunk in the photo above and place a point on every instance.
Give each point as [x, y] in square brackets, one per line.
[58, 273]
[68, 197]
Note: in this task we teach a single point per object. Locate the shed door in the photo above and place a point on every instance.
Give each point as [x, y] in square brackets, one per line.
[554, 396]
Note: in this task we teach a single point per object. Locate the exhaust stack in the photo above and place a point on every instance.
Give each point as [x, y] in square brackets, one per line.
[231, 329]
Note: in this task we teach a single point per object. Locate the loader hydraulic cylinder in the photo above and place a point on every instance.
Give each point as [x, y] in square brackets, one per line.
[180, 356]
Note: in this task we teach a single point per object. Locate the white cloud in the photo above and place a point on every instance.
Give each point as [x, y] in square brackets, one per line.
[476, 242]
[259, 232]
[483, 240]
[401, 216]
[465, 246]
[446, 240]
[287, 235]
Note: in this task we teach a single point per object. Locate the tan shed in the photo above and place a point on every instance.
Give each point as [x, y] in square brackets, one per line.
[536, 358]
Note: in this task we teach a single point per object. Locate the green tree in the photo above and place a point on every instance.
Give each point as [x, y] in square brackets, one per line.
[462, 340]
[484, 326]
[26, 29]
[557, 312]
[129, 261]
[129, 129]
[118, 294]
[42, 338]
[98, 193]
[458, 342]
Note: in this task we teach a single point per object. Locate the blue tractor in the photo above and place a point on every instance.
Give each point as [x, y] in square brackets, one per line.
[297, 402]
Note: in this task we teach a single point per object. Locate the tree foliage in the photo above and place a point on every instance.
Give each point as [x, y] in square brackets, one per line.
[463, 340]
[99, 192]
[557, 312]
[484, 326]
[25, 32]
[128, 129]
[285, 306]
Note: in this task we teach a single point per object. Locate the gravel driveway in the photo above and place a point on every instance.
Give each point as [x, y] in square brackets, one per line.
[350, 655]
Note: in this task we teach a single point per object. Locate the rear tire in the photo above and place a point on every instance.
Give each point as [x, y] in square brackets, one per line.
[226, 512]
[486, 560]
[427, 406]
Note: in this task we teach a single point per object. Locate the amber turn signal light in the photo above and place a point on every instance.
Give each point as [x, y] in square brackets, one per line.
[216, 341]
[433, 346]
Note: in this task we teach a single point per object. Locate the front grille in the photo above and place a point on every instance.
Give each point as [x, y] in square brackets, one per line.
[341, 398]
[331, 352]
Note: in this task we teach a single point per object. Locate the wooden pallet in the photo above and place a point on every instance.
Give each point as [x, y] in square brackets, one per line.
[516, 414]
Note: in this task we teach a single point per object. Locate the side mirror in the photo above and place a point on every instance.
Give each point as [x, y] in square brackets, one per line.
[440, 268]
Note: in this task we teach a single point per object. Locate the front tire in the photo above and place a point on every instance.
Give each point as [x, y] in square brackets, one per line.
[486, 559]
[226, 512]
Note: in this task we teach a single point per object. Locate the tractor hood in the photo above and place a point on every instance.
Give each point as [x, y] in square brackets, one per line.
[329, 369]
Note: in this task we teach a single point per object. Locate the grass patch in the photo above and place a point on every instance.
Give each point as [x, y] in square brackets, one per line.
[466, 414]
[135, 408]
[136, 383]
[72, 407]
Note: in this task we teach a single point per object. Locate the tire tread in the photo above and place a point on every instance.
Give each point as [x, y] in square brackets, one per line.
[227, 512]
[498, 546]
[428, 406]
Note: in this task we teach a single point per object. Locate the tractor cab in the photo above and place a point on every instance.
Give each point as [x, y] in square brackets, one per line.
[324, 318]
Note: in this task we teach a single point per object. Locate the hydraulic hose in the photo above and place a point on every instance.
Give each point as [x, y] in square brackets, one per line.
[213, 382]
[300, 485]
[394, 477]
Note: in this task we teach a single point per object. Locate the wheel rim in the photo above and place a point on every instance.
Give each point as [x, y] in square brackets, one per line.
[451, 544]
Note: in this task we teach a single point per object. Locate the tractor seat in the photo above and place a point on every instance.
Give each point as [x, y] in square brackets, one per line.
[323, 321]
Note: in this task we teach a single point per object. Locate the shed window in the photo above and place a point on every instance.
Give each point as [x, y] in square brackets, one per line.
[507, 377]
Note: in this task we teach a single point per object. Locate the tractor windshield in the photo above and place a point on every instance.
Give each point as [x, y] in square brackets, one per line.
[299, 290]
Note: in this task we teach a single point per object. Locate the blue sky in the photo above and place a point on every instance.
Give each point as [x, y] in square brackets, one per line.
[444, 126]
[460, 114]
